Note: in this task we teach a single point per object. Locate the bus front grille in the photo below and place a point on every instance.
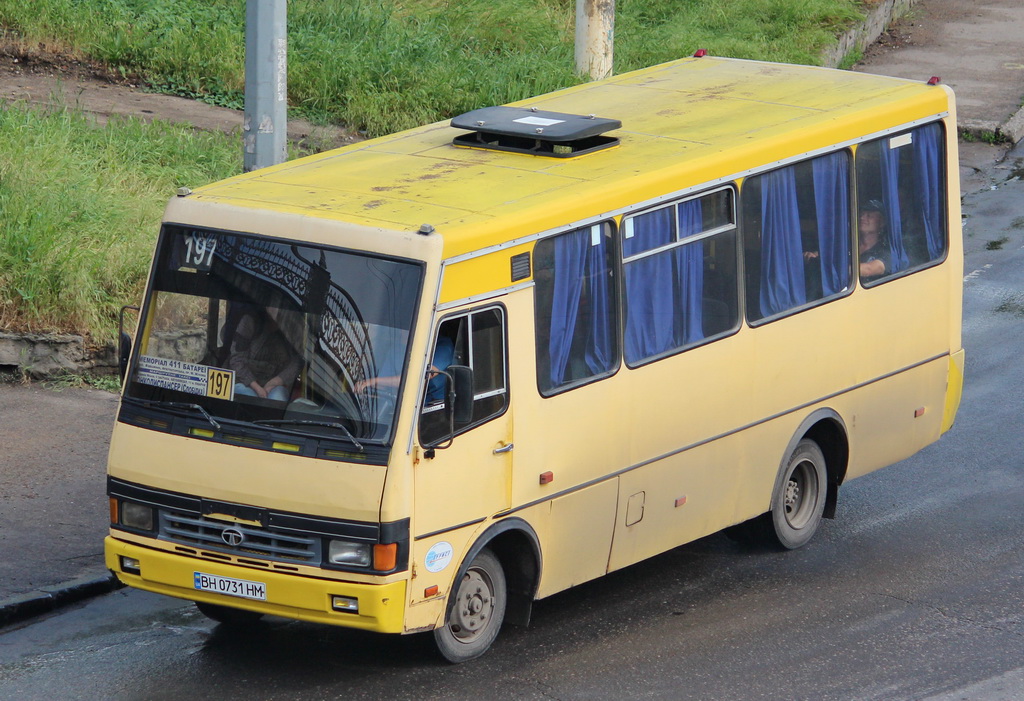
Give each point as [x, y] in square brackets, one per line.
[238, 539]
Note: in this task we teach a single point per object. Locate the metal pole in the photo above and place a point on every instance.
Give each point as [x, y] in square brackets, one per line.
[265, 130]
[595, 32]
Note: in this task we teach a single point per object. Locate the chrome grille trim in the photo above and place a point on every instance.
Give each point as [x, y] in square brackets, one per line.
[258, 542]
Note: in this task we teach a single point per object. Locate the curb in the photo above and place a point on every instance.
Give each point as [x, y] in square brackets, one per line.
[46, 599]
[1013, 128]
[1011, 131]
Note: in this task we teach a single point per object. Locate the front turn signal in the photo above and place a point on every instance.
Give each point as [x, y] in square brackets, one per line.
[385, 557]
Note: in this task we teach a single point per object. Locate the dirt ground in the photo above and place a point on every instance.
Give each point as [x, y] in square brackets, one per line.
[41, 76]
[920, 27]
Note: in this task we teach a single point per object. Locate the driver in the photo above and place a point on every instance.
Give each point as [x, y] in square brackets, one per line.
[444, 353]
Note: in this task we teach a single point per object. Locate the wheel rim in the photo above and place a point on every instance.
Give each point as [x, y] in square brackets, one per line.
[801, 495]
[473, 607]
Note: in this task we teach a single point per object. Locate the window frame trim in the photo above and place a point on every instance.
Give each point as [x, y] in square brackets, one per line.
[853, 241]
[421, 406]
[617, 326]
[910, 270]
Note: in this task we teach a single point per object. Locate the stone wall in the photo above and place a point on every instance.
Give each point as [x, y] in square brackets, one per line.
[44, 355]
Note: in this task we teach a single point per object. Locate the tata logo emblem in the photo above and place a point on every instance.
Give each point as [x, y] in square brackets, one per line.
[232, 536]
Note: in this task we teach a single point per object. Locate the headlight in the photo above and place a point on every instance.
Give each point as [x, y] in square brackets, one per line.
[136, 516]
[344, 552]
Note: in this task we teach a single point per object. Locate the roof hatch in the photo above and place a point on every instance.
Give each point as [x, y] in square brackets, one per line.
[533, 131]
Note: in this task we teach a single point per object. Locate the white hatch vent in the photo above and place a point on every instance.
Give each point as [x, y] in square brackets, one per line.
[533, 131]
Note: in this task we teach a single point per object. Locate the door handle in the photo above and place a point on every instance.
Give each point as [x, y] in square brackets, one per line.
[504, 449]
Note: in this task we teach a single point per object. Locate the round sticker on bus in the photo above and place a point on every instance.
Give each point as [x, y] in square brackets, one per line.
[438, 557]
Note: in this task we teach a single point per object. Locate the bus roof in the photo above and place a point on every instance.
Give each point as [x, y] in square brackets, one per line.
[684, 123]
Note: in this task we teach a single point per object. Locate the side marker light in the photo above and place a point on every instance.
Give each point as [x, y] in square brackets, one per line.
[700, 53]
[934, 80]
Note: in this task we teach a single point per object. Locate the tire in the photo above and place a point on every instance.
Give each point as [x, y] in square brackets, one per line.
[475, 610]
[228, 616]
[799, 497]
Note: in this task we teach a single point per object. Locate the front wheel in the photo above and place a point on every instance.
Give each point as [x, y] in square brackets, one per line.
[799, 497]
[475, 610]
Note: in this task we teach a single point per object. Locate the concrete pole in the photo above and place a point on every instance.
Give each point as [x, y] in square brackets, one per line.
[595, 33]
[265, 130]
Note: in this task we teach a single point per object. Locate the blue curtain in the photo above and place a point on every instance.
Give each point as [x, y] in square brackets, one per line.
[832, 204]
[600, 352]
[650, 317]
[570, 257]
[890, 165]
[782, 262]
[580, 256]
[691, 272]
[928, 166]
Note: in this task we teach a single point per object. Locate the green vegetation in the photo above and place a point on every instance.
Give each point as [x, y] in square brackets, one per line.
[384, 66]
[64, 380]
[81, 204]
[81, 207]
[982, 135]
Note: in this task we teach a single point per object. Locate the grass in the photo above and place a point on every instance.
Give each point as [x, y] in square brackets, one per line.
[66, 380]
[80, 209]
[80, 205]
[384, 66]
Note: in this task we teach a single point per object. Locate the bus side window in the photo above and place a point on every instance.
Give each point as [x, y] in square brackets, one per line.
[575, 308]
[901, 177]
[679, 264]
[797, 229]
[476, 340]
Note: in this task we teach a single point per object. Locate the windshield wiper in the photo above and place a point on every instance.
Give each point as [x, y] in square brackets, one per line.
[304, 422]
[175, 405]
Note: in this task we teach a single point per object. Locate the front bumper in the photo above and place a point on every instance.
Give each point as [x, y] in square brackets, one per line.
[381, 606]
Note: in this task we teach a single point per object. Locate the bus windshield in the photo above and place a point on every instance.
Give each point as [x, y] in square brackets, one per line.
[275, 333]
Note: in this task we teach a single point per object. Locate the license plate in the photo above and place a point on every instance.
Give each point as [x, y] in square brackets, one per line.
[242, 588]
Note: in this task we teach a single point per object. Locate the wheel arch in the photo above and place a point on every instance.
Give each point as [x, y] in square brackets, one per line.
[517, 547]
[826, 428]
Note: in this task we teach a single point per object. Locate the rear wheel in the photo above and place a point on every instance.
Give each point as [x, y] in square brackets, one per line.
[799, 497]
[227, 615]
[475, 610]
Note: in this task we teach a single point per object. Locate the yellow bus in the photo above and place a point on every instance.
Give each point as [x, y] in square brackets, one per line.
[417, 383]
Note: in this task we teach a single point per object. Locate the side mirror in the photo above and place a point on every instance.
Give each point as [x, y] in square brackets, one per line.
[124, 342]
[458, 406]
[124, 352]
[462, 385]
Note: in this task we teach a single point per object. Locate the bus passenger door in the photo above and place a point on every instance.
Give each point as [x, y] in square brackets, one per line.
[469, 476]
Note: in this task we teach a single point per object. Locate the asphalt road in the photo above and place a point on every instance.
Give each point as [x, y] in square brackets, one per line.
[915, 591]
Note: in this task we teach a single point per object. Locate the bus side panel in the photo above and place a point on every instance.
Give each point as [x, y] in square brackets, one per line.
[676, 500]
[893, 419]
[576, 537]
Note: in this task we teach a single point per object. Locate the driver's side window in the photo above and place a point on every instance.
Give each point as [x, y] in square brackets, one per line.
[475, 340]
